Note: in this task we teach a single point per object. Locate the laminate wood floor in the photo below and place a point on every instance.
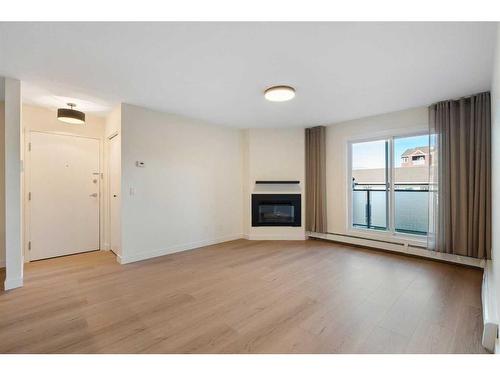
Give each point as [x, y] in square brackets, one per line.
[245, 297]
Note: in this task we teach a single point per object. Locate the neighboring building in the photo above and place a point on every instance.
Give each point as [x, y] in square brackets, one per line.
[417, 157]
[414, 169]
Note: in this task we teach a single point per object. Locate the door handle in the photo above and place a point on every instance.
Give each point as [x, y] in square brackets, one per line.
[93, 195]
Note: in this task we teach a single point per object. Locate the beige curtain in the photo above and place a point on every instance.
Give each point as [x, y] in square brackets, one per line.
[316, 179]
[460, 138]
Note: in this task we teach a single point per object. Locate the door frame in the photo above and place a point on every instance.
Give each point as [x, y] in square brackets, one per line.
[389, 234]
[27, 187]
[108, 193]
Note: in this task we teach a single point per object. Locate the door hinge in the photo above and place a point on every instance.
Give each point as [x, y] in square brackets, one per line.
[29, 196]
[29, 146]
[29, 245]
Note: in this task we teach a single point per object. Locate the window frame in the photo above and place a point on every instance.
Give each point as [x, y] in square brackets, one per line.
[390, 232]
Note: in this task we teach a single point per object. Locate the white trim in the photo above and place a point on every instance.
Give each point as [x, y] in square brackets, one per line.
[13, 283]
[389, 181]
[350, 143]
[108, 196]
[276, 237]
[123, 259]
[388, 137]
[402, 247]
[490, 314]
[348, 190]
[423, 153]
[62, 133]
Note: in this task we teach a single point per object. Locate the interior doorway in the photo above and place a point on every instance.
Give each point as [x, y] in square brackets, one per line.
[63, 194]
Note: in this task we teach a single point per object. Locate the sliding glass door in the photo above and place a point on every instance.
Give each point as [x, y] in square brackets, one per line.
[411, 162]
[389, 184]
[369, 184]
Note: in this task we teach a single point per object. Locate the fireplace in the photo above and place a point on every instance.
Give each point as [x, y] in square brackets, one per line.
[276, 210]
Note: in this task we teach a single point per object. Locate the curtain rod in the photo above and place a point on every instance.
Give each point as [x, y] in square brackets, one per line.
[462, 97]
[470, 96]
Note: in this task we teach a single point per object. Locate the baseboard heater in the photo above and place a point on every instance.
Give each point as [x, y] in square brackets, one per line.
[399, 246]
[490, 315]
[369, 239]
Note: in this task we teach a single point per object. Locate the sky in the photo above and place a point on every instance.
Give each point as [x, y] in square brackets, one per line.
[371, 155]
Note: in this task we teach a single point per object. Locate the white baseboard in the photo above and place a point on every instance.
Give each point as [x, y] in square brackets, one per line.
[275, 237]
[124, 259]
[490, 313]
[105, 247]
[13, 283]
[278, 237]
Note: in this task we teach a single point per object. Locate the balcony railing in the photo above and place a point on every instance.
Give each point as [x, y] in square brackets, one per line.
[369, 203]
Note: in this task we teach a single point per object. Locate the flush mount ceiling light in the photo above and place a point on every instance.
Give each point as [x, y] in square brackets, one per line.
[279, 93]
[70, 115]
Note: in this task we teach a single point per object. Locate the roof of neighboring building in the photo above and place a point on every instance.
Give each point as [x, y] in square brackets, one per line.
[410, 151]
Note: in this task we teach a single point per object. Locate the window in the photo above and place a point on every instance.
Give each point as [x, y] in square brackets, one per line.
[390, 191]
[369, 184]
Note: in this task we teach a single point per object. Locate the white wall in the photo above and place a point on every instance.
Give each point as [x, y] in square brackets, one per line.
[338, 136]
[113, 123]
[45, 120]
[273, 154]
[12, 183]
[189, 193]
[494, 267]
[2, 176]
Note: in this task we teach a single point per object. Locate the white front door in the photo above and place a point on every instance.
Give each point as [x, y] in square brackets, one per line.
[64, 186]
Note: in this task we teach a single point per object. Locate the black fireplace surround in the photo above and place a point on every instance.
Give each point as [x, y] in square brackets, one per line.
[276, 210]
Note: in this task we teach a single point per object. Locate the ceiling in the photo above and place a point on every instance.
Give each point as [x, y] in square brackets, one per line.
[217, 71]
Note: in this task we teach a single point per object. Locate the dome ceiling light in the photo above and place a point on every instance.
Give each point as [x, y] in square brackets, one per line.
[279, 93]
[70, 115]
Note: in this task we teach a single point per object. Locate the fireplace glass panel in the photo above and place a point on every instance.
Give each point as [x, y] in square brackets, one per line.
[276, 213]
[276, 210]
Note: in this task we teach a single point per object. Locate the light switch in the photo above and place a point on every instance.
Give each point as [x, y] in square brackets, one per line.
[132, 191]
